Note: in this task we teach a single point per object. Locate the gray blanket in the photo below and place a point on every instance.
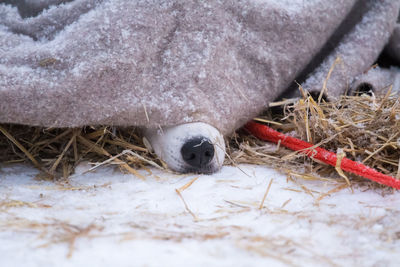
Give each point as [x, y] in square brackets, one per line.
[151, 63]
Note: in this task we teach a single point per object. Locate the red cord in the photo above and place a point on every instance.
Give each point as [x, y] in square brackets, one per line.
[265, 133]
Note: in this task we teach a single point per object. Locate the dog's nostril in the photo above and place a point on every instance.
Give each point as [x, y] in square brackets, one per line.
[197, 152]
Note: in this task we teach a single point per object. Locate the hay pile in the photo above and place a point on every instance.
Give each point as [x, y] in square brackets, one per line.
[365, 128]
[56, 152]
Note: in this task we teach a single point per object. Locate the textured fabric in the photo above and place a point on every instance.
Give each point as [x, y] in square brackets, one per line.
[378, 80]
[158, 63]
[393, 48]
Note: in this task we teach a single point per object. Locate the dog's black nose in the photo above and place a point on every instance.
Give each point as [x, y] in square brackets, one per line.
[197, 152]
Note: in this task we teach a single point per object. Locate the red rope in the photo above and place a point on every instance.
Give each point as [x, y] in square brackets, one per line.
[265, 133]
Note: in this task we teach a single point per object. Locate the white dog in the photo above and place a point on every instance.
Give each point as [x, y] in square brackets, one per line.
[191, 147]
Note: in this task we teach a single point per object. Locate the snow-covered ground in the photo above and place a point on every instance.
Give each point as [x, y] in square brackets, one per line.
[107, 218]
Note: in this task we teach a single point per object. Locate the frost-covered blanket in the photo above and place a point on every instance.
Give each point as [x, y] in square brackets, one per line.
[88, 62]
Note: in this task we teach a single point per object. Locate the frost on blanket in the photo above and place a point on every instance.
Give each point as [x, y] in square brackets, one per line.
[90, 62]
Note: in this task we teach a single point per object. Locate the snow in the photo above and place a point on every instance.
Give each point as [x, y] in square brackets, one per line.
[107, 218]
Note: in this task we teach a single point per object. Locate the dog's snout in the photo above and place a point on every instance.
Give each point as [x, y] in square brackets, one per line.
[198, 152]
[195, 147]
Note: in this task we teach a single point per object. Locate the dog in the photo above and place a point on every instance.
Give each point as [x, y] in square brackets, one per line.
[187, 72]
[191, 147]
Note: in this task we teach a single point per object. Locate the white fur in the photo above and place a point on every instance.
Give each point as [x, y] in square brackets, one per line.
[167, 143]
